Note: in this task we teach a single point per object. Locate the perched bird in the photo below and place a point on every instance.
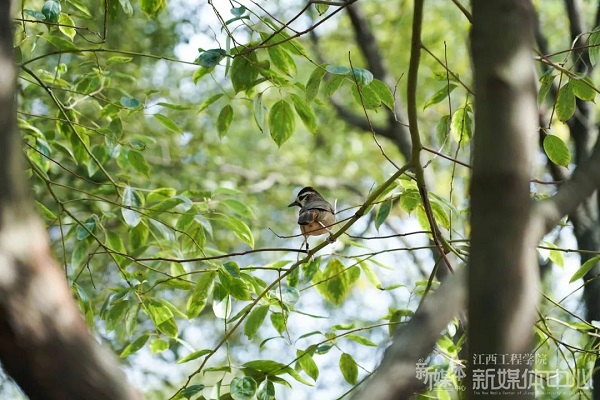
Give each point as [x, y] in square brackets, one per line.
[316, 214]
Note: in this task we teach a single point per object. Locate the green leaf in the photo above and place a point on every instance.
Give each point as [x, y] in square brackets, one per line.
[79, 254]
[84, 231]
[255, 320]
[126, 6]
[201, 73]
[35, 14]
[68, 31]
[138, 162]
[60, 42]
[593, 42]
[242, 388]
[161, 316]
[158, 346]
[440, 95]
[281, 122]
[266, 390]
[371, 275]
[440, 214]
[360, 339]
[131, 200]
[362, 76]
[278, 322]
[238, 207]
[193, 356]
[224, 120]
[556, 257]
[349, 368]
[172, 106]
[307, 364]
[199, 298]
[383, 92]
[305, 112]
[410, 199]
[314, 82]
[383, 211]
[282, 60]
[221, 302]
[239, 228]
[138, 236]
[556, 150]
[333, 84]
[238, 11]
[134, 346]
[585, 268]
[244, 72]
[168, 123]
[210, 58]
[337, 69]
[583, 89]
[335, 281]
[151, 7]
[565, 102]
[209, 101]
[130, 102]
[443, 129]
[365, 97]
[462, 125]
[546, 81]
[51, 10]
[321, 8]
[49, 215]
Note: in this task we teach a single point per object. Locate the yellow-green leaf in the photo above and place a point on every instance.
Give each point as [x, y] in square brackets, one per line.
[556, 150]
[281, 122]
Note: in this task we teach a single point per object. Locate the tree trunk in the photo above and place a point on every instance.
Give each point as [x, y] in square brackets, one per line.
[44, 343]
[503, 276]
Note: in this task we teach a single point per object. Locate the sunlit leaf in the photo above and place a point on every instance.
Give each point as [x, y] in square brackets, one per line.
[584, 269]
[556, 150]
[383, 92]
[349, 368]
[134, 346]
[314, 82]
[440, 95]
[255, 320]
[168, 123]
[282, 122]
[244, 71]
[305, 112]
[565, 102]
[199, 298]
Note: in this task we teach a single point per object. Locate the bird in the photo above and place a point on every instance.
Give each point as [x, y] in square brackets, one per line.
[316, 214]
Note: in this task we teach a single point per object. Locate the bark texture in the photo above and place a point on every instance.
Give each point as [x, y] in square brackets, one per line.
[44, 343]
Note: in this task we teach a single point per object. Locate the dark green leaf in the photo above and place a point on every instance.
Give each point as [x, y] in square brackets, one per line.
[255, 320]
[204, 288]
[224, 120]
[138, 236]
[365, 97]
[565, 102]
[134, 346]
[556, 150]
[349, 368]
[130, 102]
[546, 81]
[383, 212]
[138, 162]
[84, 231]
[51, 10]
[238, 11]
[281, 122]
[35, 14]
[266, 390]
[192, 390]
[242, 388]
[244, 71]
[210, 58]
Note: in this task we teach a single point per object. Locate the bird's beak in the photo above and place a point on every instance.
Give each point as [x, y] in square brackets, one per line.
[295, 203]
